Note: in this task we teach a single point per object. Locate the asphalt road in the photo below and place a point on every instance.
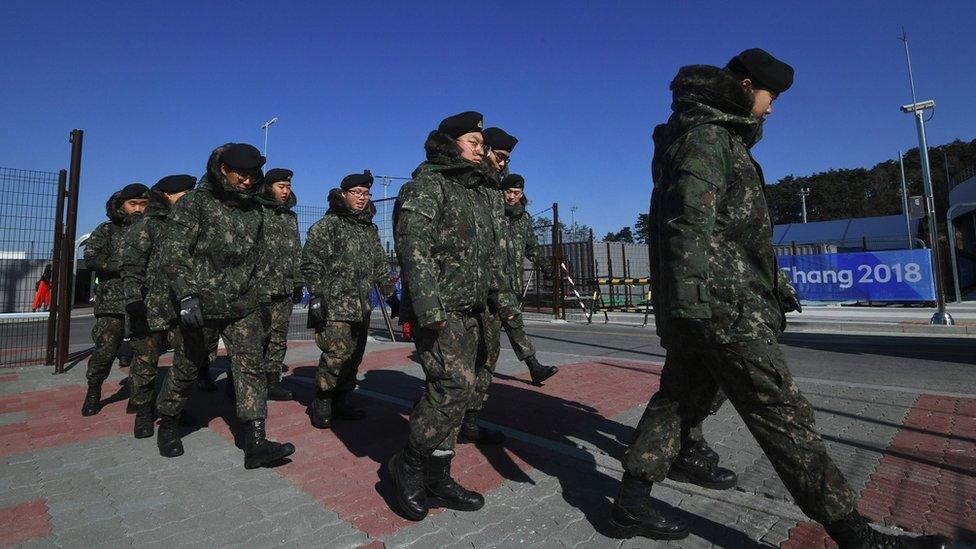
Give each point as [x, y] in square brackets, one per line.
[920, 363]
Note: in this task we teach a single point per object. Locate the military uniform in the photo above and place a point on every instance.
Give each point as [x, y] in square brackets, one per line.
[341, 262]
[284, 249]
[714, 269]
[103, 255]
[447, 233]
[144, 280]
[217, 253]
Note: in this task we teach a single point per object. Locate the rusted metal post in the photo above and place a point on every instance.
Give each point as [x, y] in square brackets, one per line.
[68, 254]
[52, 317]
[556, 261]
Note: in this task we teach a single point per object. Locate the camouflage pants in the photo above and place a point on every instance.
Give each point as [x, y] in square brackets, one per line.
[758, 383]
[485, 369]
[244, 338]
[342, 345]
[277, 343]
[106, 335]
[449, 357]
[142, 372]
[515, 330]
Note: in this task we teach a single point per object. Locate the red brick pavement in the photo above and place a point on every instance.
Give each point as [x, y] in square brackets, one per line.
[23, 522]
[53, 418]
[926, 481]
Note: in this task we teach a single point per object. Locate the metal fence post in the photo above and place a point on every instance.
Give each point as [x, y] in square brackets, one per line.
[52, 317]
[68, 254]
[556, 261]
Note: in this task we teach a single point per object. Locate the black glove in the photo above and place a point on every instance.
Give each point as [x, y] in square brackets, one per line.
[791, 303]
[394, 302]
[692, 331]
[191, 312]
[297, 293]
[547, 271]
[264, 310]
[138, 323]
[317, 312]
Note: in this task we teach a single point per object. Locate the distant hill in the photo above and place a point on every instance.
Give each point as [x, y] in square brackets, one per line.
[859, 192]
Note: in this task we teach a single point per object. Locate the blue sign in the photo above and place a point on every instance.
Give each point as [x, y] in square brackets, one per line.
[902, 275]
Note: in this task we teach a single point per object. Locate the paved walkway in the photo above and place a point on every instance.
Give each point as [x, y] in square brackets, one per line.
[71, 481]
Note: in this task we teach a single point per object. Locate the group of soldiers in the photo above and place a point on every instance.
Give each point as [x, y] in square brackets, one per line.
[185, 263]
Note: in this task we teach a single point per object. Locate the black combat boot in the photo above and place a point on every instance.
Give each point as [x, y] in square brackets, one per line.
[539, 372]
[443, 491]
[168, 437]
[854, 532]
[258, 450]
[204, 383]
[341, 409]
[634, 515]
[471, 433]
[275, 390]
[694, 468]
[320, 411]
[409, 470]
[145, 420]
[702, 449]
[93, 400]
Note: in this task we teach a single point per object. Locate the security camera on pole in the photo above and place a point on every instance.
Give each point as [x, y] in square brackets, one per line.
[918, 109]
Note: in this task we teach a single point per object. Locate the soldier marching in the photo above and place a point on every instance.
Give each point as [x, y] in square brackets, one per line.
[186, 262]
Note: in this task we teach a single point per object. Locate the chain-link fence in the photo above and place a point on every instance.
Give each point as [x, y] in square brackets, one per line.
[28, 202]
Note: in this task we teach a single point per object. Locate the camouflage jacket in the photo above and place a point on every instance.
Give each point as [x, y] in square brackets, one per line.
[343, 258]
[710, 248]
[448, 234]
[216, 247]
[519, 243]
[103, 255]
[284, 245]
[144, 264]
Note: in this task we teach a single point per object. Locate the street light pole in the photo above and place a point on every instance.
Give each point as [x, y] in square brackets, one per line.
[804, 193]
[904, 202]
[265, 127]
[918, 110]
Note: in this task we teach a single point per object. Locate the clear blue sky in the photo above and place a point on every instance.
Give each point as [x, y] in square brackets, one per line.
[358, 85]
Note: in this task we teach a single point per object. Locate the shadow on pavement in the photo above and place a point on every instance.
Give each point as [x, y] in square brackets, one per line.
[960, 350]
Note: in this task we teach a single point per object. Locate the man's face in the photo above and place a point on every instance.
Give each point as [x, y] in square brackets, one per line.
[356, 198]
[135, 206]
[499, 159]
[173, 198]
[472, 146]
[240, 180]
[762, 105]
[513, 196]
[281, 190]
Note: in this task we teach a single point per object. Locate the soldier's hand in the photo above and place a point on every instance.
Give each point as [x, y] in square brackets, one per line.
[138, 321]
[693, 331]
[191, 312]
[792, 303]
[297, 293]
[264, 310]
[317, 312]
[547, 271]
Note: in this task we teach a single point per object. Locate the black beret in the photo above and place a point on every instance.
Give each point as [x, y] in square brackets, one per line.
[513, 181]
[364, 179]
[241, 156]
[134, 190]
[275, 175]
[175, 183]
[766, 71]
[500, 140]
[460, 124]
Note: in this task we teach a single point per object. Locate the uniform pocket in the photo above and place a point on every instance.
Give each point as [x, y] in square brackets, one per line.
[756, 372]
